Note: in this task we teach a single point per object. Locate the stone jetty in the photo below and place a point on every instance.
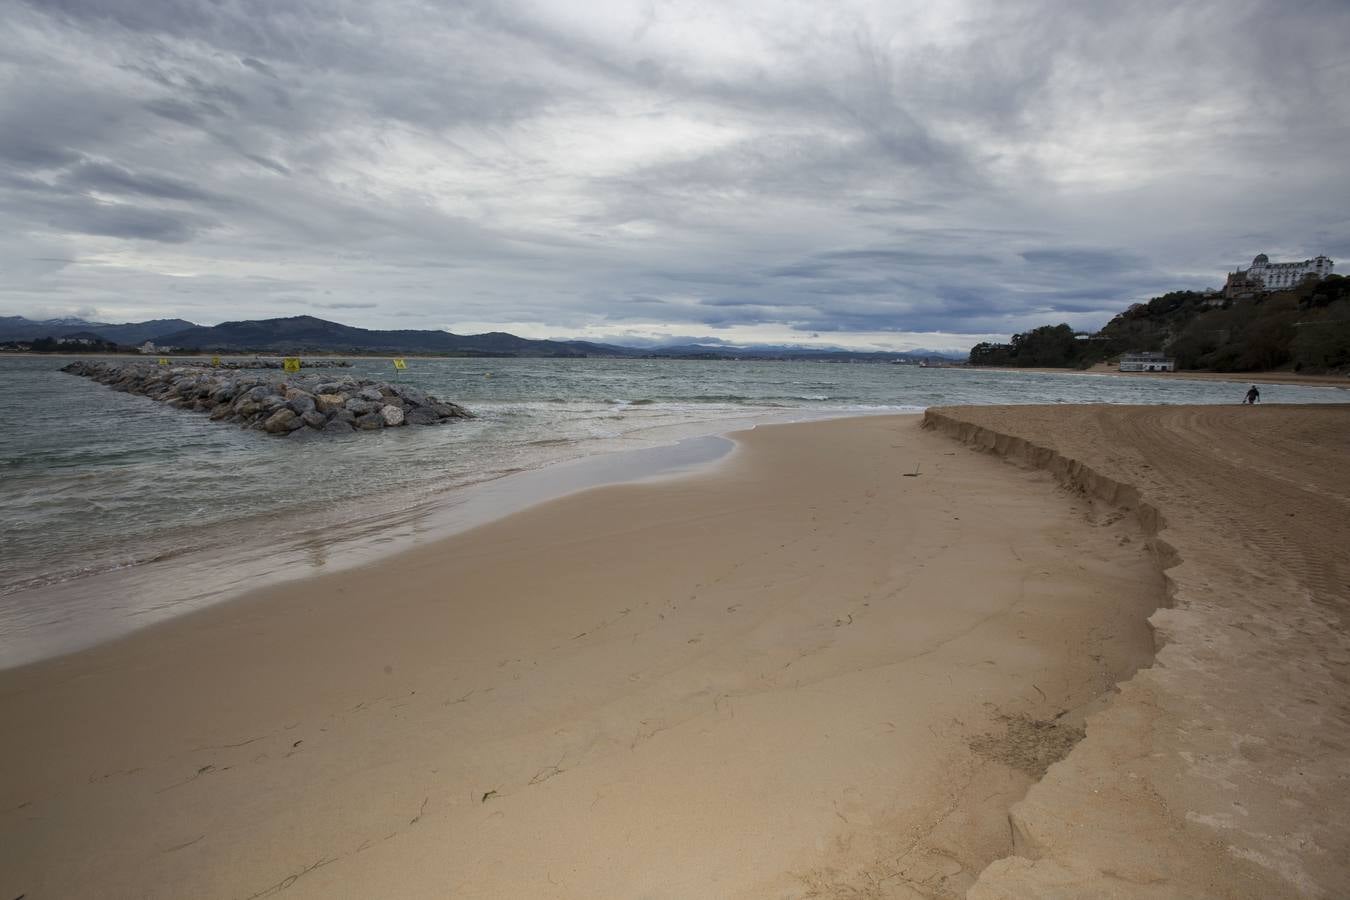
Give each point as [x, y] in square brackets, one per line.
[299, 405]
[261, 364]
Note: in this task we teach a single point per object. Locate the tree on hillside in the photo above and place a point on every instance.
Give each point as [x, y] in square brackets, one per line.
[987, 354]
[1307, 326]
[1049, 345]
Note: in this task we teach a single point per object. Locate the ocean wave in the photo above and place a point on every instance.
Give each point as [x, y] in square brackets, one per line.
[718, 398]
[46, 579]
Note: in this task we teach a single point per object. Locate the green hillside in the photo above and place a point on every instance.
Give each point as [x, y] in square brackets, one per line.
[1305, 329]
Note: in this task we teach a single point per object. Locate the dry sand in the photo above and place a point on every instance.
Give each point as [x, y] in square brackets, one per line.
[800, 674]
[1224, 769]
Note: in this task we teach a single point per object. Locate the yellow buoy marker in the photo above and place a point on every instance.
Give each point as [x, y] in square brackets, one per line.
[215, 360]
[400, 364]
[291, 363]
[163, 361]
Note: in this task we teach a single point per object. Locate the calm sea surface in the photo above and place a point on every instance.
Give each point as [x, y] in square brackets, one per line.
[110, 500]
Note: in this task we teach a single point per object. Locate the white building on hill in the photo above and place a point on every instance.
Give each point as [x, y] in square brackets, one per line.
[1264, 275]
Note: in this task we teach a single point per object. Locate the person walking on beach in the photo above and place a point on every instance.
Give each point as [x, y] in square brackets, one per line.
[1253, 396]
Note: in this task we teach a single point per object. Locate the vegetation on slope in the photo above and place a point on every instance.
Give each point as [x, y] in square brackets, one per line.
[1306, 329]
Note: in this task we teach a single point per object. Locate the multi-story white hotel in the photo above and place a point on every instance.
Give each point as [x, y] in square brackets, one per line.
[1264, 275]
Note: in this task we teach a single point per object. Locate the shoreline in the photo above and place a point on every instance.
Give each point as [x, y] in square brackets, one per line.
[1273, 377]
[218, 575]
[850, 654]
[1286, 378]
[71, 614]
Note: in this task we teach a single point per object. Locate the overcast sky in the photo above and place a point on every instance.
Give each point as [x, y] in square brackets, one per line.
[867, 174]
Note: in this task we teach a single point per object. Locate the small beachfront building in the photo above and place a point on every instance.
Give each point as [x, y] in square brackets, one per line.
[1147, 362]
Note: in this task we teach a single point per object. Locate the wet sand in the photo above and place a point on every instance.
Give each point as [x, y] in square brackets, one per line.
[800, 673]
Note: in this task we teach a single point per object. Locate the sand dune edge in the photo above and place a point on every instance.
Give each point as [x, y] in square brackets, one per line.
[1164, 797]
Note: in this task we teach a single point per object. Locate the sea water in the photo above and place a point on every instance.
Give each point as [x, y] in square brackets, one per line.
[119, 511]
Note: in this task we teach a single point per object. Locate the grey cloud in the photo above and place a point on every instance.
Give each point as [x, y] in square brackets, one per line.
[30, 152]
[197, 114]
[110, 179]
[125, 221]
[135, 15]
[895, 207]
[270, 164]
[697, 276]
[497, 161]
[906, 257]
[258, 65]
[744, 302]
[28, 184]
[803, 270]
[634, 339]
[1081, 260]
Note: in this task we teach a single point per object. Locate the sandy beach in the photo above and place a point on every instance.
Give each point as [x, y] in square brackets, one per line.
[856, 658]
[1281, 377]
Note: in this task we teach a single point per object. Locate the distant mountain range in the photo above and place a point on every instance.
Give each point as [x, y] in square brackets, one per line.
[17, 328]
[307, 334]
[300, 334]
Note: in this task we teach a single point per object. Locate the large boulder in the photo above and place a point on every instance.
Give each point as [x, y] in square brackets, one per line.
[359, 407]
[421, 416]
[300, 402]
[392, 415]
[314, 419]
[370, 422]
[451, 411]
[283, 421]
[373, 394]
[329, 402]
[411, 394]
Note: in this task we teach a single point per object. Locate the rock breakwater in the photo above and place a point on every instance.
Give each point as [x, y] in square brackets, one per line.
[300, 405]
[261, 364]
